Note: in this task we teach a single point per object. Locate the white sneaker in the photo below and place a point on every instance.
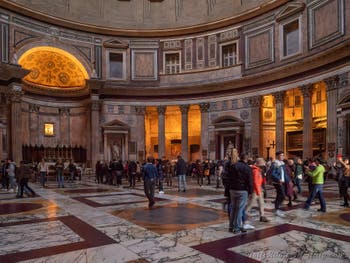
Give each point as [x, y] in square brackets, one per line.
[248, 227]
[161, 192]
[279, 213]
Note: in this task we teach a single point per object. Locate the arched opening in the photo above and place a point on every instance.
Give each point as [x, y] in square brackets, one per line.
[53, 68]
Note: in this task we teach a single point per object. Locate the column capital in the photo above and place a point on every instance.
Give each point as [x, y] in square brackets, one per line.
[254, 101]
[64, 111]
[184, 108]
[161, 110]
[140, 110]
[332, 83]
[306, 90]
[34, 108]
[204, 107]
[279, 96]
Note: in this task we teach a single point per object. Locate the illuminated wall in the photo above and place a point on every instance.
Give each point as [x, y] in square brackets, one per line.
[172, 130]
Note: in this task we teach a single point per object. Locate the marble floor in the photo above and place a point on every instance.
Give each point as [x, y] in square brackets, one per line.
[86, 222]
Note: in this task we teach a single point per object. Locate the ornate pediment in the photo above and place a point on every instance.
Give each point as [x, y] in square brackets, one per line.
[115, 43]
[290, 10]
[116, 125]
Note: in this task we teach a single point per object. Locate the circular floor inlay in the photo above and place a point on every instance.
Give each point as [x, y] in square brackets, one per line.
[345, 216]
[177, 215]
[85, 191]
[11, 208]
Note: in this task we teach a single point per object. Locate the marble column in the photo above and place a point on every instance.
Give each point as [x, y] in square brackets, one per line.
[1, 146]
[184, 131]
[307, 117]
[331, 136]
[256, 127]
[139, 134]
[95, 130]
[65, 125]
[279, 99]
[204, 108]
[161, 131]
[16, 94]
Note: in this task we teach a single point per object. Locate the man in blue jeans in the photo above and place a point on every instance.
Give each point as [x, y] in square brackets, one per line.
[150, 175]
[181, 170]
[240, 182]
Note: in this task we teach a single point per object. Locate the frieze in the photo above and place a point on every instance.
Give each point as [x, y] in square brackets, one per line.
[121, 109]
[213, 106]
[234, 104]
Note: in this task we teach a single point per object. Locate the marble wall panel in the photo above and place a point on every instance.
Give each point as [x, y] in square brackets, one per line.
[78, 128]
[259, 48]
[144, 65]
[326, 21]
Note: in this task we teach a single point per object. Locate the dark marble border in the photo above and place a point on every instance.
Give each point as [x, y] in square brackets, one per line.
[91, 236]
[220, 249]
[85, 200]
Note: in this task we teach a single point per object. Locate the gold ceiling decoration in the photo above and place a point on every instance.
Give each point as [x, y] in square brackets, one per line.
[53, 68]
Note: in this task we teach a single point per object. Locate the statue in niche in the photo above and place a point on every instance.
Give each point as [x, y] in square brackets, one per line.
[115, 149]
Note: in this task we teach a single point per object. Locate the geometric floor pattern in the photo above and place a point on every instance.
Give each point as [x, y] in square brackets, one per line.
[86, 222]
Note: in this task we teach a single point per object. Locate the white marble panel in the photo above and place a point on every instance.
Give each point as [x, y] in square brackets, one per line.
[295, 246]
[107, 254]
[37, 235]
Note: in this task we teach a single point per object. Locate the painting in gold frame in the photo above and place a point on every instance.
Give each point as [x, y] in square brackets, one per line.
[49, 129]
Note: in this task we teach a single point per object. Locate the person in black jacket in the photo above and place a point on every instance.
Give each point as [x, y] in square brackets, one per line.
[181, 169]
[241, 185]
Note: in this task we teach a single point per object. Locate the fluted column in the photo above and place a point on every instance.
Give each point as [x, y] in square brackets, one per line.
[331, 136]
[256, 126]
[16, 122]
[307, 117]
[95, 130]
[279, 99]
[204, 108]
[161, 131]
[184, 131]
[140, 133]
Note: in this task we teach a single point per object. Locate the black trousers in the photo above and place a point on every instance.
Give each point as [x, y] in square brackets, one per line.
[149, 188]
[280, 195]
[24, 183]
